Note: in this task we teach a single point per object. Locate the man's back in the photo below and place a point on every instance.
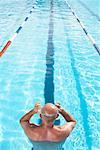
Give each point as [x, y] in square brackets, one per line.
[39, 133]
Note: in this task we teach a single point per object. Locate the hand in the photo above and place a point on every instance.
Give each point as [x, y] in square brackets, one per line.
[37, 107]
[59, 107]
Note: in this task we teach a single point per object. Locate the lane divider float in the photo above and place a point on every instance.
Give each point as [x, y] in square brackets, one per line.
[15, 34]
[91, 39]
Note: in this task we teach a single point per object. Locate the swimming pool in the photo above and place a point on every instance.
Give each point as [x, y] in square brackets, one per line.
[51, 60]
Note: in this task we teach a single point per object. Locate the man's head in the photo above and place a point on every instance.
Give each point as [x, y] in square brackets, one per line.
[49, 113]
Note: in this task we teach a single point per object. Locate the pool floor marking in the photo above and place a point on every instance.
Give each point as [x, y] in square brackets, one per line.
[49, 75]
[84, 29]
[15, 34]
[92, 13]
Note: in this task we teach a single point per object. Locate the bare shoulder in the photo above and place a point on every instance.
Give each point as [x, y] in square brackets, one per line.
[68, 125]
[28, 128]
[32, 131]
[67, 128]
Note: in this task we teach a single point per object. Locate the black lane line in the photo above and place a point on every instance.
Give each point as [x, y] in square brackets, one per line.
[49, 75]
[83, 104]
[92, 13]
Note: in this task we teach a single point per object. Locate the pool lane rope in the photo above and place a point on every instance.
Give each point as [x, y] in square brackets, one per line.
[15, 34]
[91, 39]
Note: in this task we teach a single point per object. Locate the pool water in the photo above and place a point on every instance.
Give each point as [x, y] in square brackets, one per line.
[51, 60]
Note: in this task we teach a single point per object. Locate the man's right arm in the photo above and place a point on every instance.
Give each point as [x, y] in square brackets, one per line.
[71, 122]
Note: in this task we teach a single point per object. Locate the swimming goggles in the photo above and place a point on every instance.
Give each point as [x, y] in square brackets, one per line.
[49, 115]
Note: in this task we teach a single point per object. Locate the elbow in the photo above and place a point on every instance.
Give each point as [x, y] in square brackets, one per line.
[20, 121]
[75, 122]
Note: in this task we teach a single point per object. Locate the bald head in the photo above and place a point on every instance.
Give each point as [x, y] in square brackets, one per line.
[49, 110]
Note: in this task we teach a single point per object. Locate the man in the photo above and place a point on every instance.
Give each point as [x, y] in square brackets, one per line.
[47, 136]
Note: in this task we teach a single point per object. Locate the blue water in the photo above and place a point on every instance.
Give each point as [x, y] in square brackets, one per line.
[51, 60]
[47, 145]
